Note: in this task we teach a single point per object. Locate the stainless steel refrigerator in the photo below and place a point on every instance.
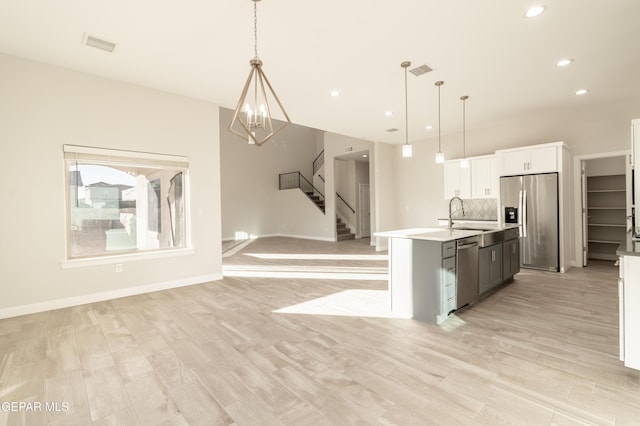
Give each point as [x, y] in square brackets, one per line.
[531, 201]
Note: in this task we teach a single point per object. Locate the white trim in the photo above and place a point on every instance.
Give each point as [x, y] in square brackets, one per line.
[108, 152]
[105, 295]
[307, 237]
[121, 258]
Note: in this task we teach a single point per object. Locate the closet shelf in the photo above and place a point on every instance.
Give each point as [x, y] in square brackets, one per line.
[613, 225]
[606, 241]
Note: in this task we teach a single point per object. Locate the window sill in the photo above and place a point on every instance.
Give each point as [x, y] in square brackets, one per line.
[122, 258]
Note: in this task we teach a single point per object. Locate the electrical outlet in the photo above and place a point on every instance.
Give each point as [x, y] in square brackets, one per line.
[118, 267]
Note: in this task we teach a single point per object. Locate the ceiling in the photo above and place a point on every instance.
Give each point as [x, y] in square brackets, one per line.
[487, 50]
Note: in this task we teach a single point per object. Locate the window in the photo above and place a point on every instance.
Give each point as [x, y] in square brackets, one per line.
[122, 202]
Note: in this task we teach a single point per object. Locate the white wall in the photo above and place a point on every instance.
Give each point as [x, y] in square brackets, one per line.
[606, 166]
[43, 107]
[300, 218]
[384, 215]
[249, 176]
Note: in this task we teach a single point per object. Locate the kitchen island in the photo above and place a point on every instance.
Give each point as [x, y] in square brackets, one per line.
[424, 267]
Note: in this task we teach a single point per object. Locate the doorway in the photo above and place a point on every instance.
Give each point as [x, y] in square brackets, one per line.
[605, 205]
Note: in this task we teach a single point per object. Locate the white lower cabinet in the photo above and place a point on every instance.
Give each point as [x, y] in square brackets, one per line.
[629, 310]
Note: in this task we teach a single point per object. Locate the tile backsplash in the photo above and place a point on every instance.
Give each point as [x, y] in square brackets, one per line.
[477, 209]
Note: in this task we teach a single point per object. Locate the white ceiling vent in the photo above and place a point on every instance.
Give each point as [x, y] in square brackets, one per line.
[98, 43]
[391, 130]
[422, 69]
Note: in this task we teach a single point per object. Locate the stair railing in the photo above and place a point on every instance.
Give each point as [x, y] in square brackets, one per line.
[294, 180]
[318, 162]
[345, 203]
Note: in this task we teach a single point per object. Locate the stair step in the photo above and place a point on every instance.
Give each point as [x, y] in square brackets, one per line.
[342, 237]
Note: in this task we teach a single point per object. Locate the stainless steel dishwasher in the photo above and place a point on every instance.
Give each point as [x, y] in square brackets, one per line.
[467, 270]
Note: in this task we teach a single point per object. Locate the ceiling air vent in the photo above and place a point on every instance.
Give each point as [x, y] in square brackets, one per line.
[422, 69]
[393, 129]
[98, 43]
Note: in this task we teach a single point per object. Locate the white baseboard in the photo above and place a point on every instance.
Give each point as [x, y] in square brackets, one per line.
[307, 237]
[105, 295]
[303, 237]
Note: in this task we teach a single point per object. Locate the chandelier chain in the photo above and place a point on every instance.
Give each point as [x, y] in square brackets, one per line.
[255, 28]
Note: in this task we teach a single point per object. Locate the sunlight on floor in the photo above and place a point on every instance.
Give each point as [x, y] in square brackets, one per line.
[307, 272]
[352, 303]
[308, 256]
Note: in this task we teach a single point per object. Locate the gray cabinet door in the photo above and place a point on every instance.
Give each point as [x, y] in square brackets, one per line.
[510, 258]
[495, 271]
[489, 267]
[484, 267]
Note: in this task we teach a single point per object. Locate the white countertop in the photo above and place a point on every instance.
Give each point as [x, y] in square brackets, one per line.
[430, 234]
[439, 233]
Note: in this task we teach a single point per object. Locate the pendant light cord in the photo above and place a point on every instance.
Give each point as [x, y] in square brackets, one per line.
[464, 126]
[406, 109]
[439, 127]
[464, 130]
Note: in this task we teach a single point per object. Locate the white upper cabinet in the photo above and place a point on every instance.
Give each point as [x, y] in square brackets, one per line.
[523, 161]
[457, 180]
[484, 177]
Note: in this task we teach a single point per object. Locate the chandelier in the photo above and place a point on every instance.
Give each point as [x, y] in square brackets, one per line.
[252, 119]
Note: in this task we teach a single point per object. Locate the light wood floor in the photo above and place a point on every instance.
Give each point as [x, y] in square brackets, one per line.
[311, 345]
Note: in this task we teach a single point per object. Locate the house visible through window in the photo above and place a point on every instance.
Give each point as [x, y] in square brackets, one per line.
[124, 202]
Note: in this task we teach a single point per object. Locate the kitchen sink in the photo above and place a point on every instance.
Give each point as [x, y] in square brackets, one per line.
[488, 237]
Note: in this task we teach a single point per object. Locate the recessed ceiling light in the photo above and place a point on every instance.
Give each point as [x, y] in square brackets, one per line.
[364, 155]
[534, 11]
[429, 127]
[388, 113]
[582, 92]
[334, 93]
[564, 62]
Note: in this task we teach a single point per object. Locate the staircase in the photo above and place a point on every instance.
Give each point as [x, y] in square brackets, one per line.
[343, 232]
[317, 200]
[297, 180]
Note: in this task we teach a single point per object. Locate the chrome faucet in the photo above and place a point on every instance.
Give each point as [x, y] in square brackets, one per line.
[450, 212]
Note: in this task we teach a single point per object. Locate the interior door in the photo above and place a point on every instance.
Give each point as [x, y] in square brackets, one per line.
[364, 211]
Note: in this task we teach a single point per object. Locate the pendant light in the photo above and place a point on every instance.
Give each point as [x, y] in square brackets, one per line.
[256, 126]
[464, 163]
[407, 151]
[439, 154]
